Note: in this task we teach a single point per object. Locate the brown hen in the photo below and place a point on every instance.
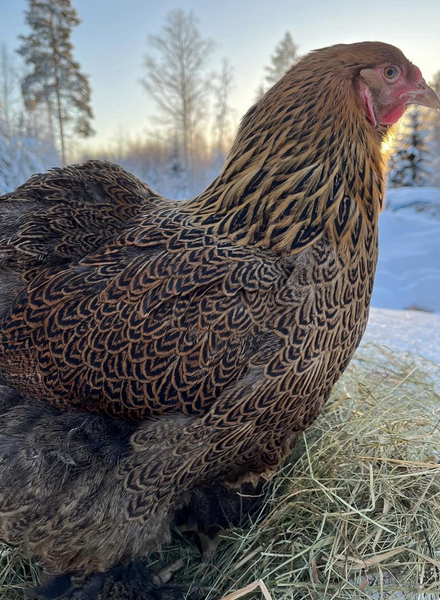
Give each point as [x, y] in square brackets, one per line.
[222, 322]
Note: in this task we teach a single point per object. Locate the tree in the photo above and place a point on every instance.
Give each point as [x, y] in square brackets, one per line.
[261, 90]
[24, 144]
[177, 81]
[19, 156]
[55, 79]
[285, 55]
[434, 116]
[410, 164]
[8, 88]
[435, 83]
[177, 182]
[6, 165]
[222, 110]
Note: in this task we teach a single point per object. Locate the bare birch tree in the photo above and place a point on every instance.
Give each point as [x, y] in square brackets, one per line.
[222, 110]
[177, 80]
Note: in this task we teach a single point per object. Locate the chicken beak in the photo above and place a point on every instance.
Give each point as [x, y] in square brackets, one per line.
[423, 95]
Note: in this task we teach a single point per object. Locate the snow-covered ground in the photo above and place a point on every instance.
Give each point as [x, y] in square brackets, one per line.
[426, 199]
[405, 331]
[408, 272]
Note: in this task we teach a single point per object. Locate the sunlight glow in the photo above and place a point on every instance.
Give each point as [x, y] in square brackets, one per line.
[387, 144]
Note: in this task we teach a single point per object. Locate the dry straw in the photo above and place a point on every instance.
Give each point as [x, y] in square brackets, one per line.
[355, 514]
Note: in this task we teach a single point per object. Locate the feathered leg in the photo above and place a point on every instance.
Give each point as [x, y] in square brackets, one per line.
[131, 582]
[212, 509]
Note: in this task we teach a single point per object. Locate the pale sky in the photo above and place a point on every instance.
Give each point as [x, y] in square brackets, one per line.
[111, 42]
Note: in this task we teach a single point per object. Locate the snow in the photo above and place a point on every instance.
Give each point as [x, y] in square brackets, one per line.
[20, 157]
[408, 271]
[405, 331]
[426, 198]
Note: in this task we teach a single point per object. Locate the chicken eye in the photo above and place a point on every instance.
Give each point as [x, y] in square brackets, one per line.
[391, 73]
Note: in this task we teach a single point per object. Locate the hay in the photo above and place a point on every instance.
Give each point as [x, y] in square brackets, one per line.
[354, 515]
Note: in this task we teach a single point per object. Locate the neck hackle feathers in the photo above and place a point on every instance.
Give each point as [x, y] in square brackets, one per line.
[305, 163]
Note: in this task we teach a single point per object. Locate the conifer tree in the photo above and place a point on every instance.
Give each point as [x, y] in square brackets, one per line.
[55, 79]
[434, 116]
[285, 55]
[410, 164]
[260, 91]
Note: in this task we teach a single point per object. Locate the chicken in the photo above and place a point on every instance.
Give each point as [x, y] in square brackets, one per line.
[205, 335]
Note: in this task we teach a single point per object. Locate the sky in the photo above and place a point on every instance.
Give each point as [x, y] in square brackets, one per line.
[111, 43]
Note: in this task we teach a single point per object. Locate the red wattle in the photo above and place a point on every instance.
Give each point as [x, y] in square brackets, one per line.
[393, 115]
